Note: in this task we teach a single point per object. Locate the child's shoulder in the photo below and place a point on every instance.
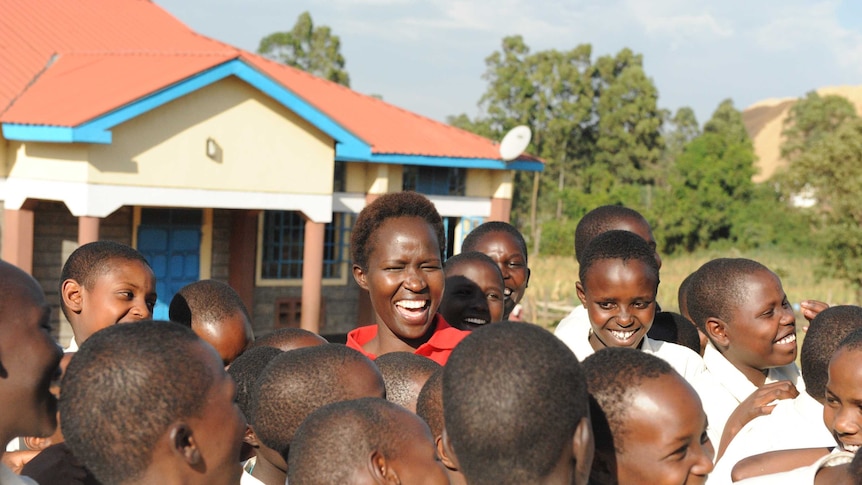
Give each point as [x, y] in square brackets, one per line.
[684, 360]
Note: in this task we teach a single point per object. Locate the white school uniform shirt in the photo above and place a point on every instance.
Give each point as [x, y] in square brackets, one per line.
[722, 387]
[247, 478]
[574, 331]
[803, 475]
[793, 424]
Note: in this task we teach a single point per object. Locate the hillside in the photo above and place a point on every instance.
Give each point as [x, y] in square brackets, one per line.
[764, 122]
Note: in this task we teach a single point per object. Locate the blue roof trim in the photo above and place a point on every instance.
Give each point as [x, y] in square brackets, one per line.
[97, 130]
[429, 161]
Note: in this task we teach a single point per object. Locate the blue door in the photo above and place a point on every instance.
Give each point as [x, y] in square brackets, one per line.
[170, 239]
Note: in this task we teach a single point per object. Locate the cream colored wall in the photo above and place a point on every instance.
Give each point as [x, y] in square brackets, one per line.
[65, 162]
[489, 183]
[4, 155]
[381, 178]
[265, 147]
[354, 174]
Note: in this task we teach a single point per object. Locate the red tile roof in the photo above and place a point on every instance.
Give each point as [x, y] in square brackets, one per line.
[65, 62]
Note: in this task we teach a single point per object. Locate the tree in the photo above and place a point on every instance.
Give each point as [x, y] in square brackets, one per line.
[831, 168]
[596, 126]
[812, 118]
[709, 185]
[312, 49]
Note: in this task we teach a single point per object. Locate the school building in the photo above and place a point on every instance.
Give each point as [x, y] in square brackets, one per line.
[119, 122]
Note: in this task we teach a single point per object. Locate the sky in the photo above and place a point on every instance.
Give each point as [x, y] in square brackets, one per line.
[428, 56]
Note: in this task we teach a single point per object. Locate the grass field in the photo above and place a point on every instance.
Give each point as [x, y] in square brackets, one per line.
[551, 294]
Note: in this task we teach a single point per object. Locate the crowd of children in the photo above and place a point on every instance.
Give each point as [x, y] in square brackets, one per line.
[442, 387]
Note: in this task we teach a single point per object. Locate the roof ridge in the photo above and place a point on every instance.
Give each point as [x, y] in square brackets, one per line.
[148, 52]
[51, 60]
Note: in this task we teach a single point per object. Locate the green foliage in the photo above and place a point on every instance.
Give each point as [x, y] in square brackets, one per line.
[812, 118]
[830, 171]
[596, 125]
[312, 49]
[709, 186]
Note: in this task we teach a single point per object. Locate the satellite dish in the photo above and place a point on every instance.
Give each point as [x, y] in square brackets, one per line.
[515, 142]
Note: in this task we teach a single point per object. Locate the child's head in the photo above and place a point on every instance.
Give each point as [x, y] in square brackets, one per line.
[742, 308]
[673, 327]
[29, 357]
[609, 218]
[655, 419]
[297, 382]
[404, 374]
[245, 371]
[504, 244]
[104, 283]
[682, 299]
[398, 246]
[290, 338]
[216, 313]
[506, 419]
[824, 334]
[365, 440]
[618, 285]
[152, 402]
[475, 292]
[429, 407]
[844, 393]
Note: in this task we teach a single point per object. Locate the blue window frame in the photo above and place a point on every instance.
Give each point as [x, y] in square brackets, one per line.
[284, 241]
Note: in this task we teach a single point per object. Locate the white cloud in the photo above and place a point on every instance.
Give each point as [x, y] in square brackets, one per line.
[807, 28]
[679, 20]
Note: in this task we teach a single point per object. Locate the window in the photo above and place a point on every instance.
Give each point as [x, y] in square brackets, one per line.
[339, 177]
[434, 180]
[283, 241]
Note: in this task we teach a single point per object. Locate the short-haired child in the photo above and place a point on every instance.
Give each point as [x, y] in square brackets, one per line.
[649, 424]
[367, 440]
[741, 306]
[152, 403]
[404, 374]
[506, 420]
[505, 245]
[289, 338]
[429, 407]
[595, 222]
[474, 293]
[216, 313]
[104, 283]
[840, 415]
[29, 359]
[292, 386]
[618, 285]
[398, 245]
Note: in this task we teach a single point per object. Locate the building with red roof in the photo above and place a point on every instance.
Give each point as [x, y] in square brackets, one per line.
[119, 122]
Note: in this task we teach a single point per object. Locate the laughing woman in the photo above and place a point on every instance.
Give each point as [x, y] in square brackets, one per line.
[397, 247]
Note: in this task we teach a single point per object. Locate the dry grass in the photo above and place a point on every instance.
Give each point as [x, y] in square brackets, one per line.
[551, 294]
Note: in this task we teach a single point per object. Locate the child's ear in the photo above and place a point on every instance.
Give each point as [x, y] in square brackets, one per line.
[581, 294]
[445, 449]
[583, 451]
[381, 470]
[250, 437]
[527, 283]
[445, 457]
[38, 444]
[359, 276]
[72, 293]
[716, 330]
[184, 444]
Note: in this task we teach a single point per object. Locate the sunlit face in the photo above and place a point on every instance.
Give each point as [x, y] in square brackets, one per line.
[404, 277]
[220, 427]
[664, 441]
[474, 295]
[126, 292]
[842, 411]
[762, 327]
[505, 250]
[642, 229]
[30, 357]
[620, 300]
